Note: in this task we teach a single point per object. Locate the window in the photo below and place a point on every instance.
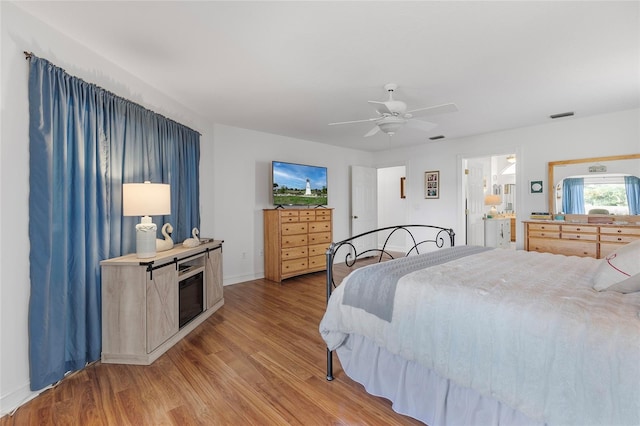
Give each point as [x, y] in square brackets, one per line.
[605, 192]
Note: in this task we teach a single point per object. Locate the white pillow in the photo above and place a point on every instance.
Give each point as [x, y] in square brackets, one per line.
[618, 266]
[630, 285]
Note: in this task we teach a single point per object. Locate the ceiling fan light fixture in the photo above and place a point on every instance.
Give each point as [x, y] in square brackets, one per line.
[391, 127]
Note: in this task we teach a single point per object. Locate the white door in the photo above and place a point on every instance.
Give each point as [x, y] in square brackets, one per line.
[364, 204]
[475, 204]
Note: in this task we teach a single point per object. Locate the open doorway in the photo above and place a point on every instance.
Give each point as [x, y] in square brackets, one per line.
[489, 188]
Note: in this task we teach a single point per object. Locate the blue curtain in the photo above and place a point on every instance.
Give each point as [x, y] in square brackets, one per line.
[84, 142]
[632, 186]
[573, 195]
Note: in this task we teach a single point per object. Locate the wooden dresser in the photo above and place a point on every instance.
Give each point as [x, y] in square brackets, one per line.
[578, 239]
[296, 241]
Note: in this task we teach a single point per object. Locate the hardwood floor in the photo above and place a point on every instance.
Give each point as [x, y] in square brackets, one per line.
[259, 360]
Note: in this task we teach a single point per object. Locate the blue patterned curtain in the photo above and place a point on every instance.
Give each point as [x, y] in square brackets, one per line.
[632, 186]
[573, 195]
[84, 143]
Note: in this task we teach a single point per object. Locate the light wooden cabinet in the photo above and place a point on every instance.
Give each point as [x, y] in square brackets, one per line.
[572, 239]
[296, 241]
[144, 301]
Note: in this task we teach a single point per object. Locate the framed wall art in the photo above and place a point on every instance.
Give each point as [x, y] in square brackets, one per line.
[536, 186]
[432, 184]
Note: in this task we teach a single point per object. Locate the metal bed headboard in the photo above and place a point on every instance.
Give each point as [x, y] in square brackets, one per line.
[437, 235]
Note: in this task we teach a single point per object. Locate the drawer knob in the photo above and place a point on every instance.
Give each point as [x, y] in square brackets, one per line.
[619, 231]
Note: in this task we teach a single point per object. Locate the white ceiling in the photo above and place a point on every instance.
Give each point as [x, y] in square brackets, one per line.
[290, 68]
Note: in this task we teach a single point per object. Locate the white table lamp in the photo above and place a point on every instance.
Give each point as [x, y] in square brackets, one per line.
[492, 200]
[146, 200]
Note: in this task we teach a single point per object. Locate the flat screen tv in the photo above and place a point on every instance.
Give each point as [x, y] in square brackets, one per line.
[298, 184]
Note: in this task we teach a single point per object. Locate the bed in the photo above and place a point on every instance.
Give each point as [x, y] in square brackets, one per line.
[479, 336]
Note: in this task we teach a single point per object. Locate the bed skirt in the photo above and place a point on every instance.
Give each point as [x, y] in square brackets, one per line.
[419, 392]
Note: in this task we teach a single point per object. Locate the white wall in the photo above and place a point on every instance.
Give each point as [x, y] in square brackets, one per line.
[601, 135]
[242, 166]
[234, 177]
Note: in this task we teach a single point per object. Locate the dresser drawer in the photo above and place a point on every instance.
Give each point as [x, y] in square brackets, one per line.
[322, 215]
[606, 248]
[317, 262]
[320, 237]
[618, 238]
[566, 247]
[578, 236]
[294, 240]
[544, 234]
[318, 249]
[620, 231]
[293, 228]
[295, 265]
[288, 215]
[579, 228]
[307, 215]
[544, 227]
[294, 253]
[320, 226]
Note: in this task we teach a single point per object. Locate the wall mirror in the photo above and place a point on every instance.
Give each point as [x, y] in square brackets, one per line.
[610, 170]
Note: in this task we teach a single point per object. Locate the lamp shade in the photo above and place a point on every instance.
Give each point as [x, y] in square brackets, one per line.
[492, 200]
[146, 199]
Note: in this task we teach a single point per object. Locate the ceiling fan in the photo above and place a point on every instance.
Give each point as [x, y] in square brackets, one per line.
[393, 115]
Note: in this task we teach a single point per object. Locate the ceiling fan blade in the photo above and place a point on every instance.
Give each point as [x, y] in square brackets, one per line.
[381, 107]
[355, 121]
[433, 110]
[372, 132]
[425, 126]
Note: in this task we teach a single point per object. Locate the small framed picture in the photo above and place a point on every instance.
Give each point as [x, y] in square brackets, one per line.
[432, 184]
[403, 185]
[536, 186]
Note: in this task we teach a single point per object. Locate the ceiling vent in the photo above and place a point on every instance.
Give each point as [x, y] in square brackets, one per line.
[435, 138]
[561, 115]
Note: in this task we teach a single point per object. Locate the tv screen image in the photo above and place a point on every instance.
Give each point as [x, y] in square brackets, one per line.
[298, 184]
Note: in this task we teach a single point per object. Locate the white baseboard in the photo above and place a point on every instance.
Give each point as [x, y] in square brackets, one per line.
[13, 400]
[241, 278]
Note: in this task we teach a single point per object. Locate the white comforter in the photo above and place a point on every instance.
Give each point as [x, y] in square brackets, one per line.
[525, 328]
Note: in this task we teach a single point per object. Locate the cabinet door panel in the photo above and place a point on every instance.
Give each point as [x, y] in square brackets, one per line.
[162, 306]
[213, 277]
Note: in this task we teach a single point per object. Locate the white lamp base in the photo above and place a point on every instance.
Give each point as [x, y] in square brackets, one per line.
[493, 211]
[146, 238]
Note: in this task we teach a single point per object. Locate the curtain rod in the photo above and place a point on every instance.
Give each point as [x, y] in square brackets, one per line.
[29, 55]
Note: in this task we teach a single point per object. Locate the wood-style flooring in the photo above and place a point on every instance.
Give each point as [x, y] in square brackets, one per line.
[259, 360]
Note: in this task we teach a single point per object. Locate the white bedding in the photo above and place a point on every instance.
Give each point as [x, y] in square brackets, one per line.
[525, 328]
